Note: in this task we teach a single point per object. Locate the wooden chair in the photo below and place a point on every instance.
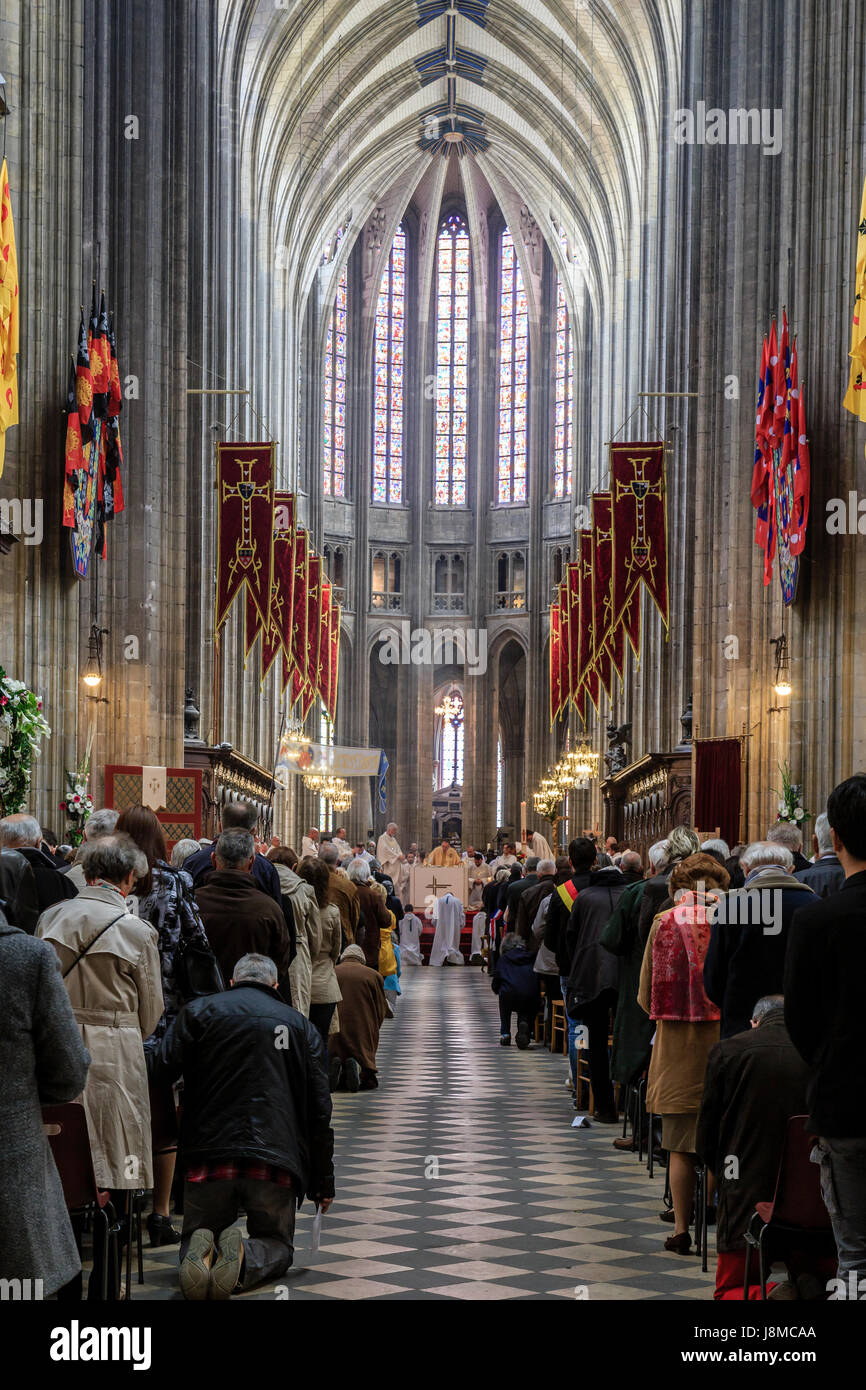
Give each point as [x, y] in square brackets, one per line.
[796, 1216]
[558, 1025]
[66, 1128]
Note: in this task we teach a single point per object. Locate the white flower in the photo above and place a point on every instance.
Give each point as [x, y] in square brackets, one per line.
[781, 808]
[799, 813]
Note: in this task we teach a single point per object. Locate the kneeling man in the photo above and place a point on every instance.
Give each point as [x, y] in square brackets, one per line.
[256, 1130]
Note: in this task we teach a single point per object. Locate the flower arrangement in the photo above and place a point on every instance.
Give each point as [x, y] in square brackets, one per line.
[79, 803]
[22, 729]
[791, 807]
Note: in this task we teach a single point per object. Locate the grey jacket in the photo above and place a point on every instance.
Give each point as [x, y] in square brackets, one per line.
[42, 1062]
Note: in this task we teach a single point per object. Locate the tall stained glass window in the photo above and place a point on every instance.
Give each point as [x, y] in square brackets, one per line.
[388, 357]
[513, 360]
[563, 421]
[452, 361]
[451, 742]
[334, 397]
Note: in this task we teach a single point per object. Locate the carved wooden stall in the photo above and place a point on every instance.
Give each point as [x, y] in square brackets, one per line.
[644, 801]
[227, 775]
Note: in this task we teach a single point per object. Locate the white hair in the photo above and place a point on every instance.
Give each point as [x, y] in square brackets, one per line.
[630, 859]
[720, 846]
[20, 830]
[823, 833]
[545, 868]
[101, 822]
[260, 970]
[784, 833]
[182, 851]
[358, 871]
[763, 854]
[392, 825]
[658, 854]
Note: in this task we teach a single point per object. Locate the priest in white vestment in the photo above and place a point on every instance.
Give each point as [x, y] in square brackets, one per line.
[410, 939]
[480, 873]
[392, 858]
[539, 847]
[448, 919]
[310, 845]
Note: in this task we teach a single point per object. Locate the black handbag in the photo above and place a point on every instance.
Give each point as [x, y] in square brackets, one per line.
[196, 972]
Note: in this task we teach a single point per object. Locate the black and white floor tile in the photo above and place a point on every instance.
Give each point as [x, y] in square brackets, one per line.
[462, 1177]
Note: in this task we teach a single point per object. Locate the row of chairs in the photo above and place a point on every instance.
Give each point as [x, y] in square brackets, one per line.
[69, 1139]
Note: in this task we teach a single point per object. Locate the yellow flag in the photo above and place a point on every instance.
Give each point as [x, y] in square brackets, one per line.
[9, 305]
[855, 396]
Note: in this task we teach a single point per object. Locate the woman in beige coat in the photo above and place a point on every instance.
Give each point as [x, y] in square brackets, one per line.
[324, 992]
[111, 968]
[301, 901]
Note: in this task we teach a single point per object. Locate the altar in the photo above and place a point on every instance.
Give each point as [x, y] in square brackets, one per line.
[427, 883]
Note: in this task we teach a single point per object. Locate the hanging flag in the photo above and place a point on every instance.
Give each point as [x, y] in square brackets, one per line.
[115, 394]
[586, 658]
[380, 781]
[554, 681]
[572, 584]
[100, 359]
[802, 481]
[564, 666]
[855, 396]
[84, 384]
[245, 526]
[334, 659]
[74, 457]
[639, 526]
[323, 665]
[9, 315]
[252, 625]
[602, 591]
[295, 664]
[277, 637]
[314, 631]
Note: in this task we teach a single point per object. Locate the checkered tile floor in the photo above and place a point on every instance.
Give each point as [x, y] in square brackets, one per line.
[461, 1177]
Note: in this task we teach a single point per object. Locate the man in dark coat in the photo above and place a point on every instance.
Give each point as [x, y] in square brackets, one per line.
[517, 985]
[236, 815]
[42, 1062]
[592, 980]
[755, 1082]
[18, 897]
[824, 972]
[631, 867]
[826, 875]
[237, 916]
[361, 1012]
[373, 913]
[515, 891]
[528, 903]
[22, 832]
[749, 934]
[582, 853]
[256, 1129]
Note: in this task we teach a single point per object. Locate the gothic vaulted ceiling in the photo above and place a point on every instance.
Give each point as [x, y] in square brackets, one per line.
[338, 107]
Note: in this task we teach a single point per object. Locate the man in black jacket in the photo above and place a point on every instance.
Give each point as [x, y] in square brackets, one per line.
[18, 899]
[825, 968]
[582, 854]
[23, 833]
[826, 875]
[592, 981]
[256, 1131]
[236, 815]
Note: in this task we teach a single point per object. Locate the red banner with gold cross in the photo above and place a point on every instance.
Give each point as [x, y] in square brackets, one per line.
[295, 661]
[572, 586]
[639, 526]
[314, 631]
[555, 651]
[277, 636]
[333, 658]
[586, 658]
[602, 588]
[245, 531]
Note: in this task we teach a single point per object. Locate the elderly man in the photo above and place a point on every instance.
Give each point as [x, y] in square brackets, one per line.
[310, 844]
[257, 1131]
[791, 836]
[238, 917]
[344, 893]
[236, 815]
[98, 823]
[389, 853]
[826, 875]
[750, 928]
[528, 902]
[22, 832]
[480, 873]
[373, 913]
[341, 844]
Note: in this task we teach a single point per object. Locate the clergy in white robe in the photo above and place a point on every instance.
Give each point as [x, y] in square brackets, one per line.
[539, 846]
[479, 874]
[310, 845]
[448, 919]
[389, 854]
[410, 940]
